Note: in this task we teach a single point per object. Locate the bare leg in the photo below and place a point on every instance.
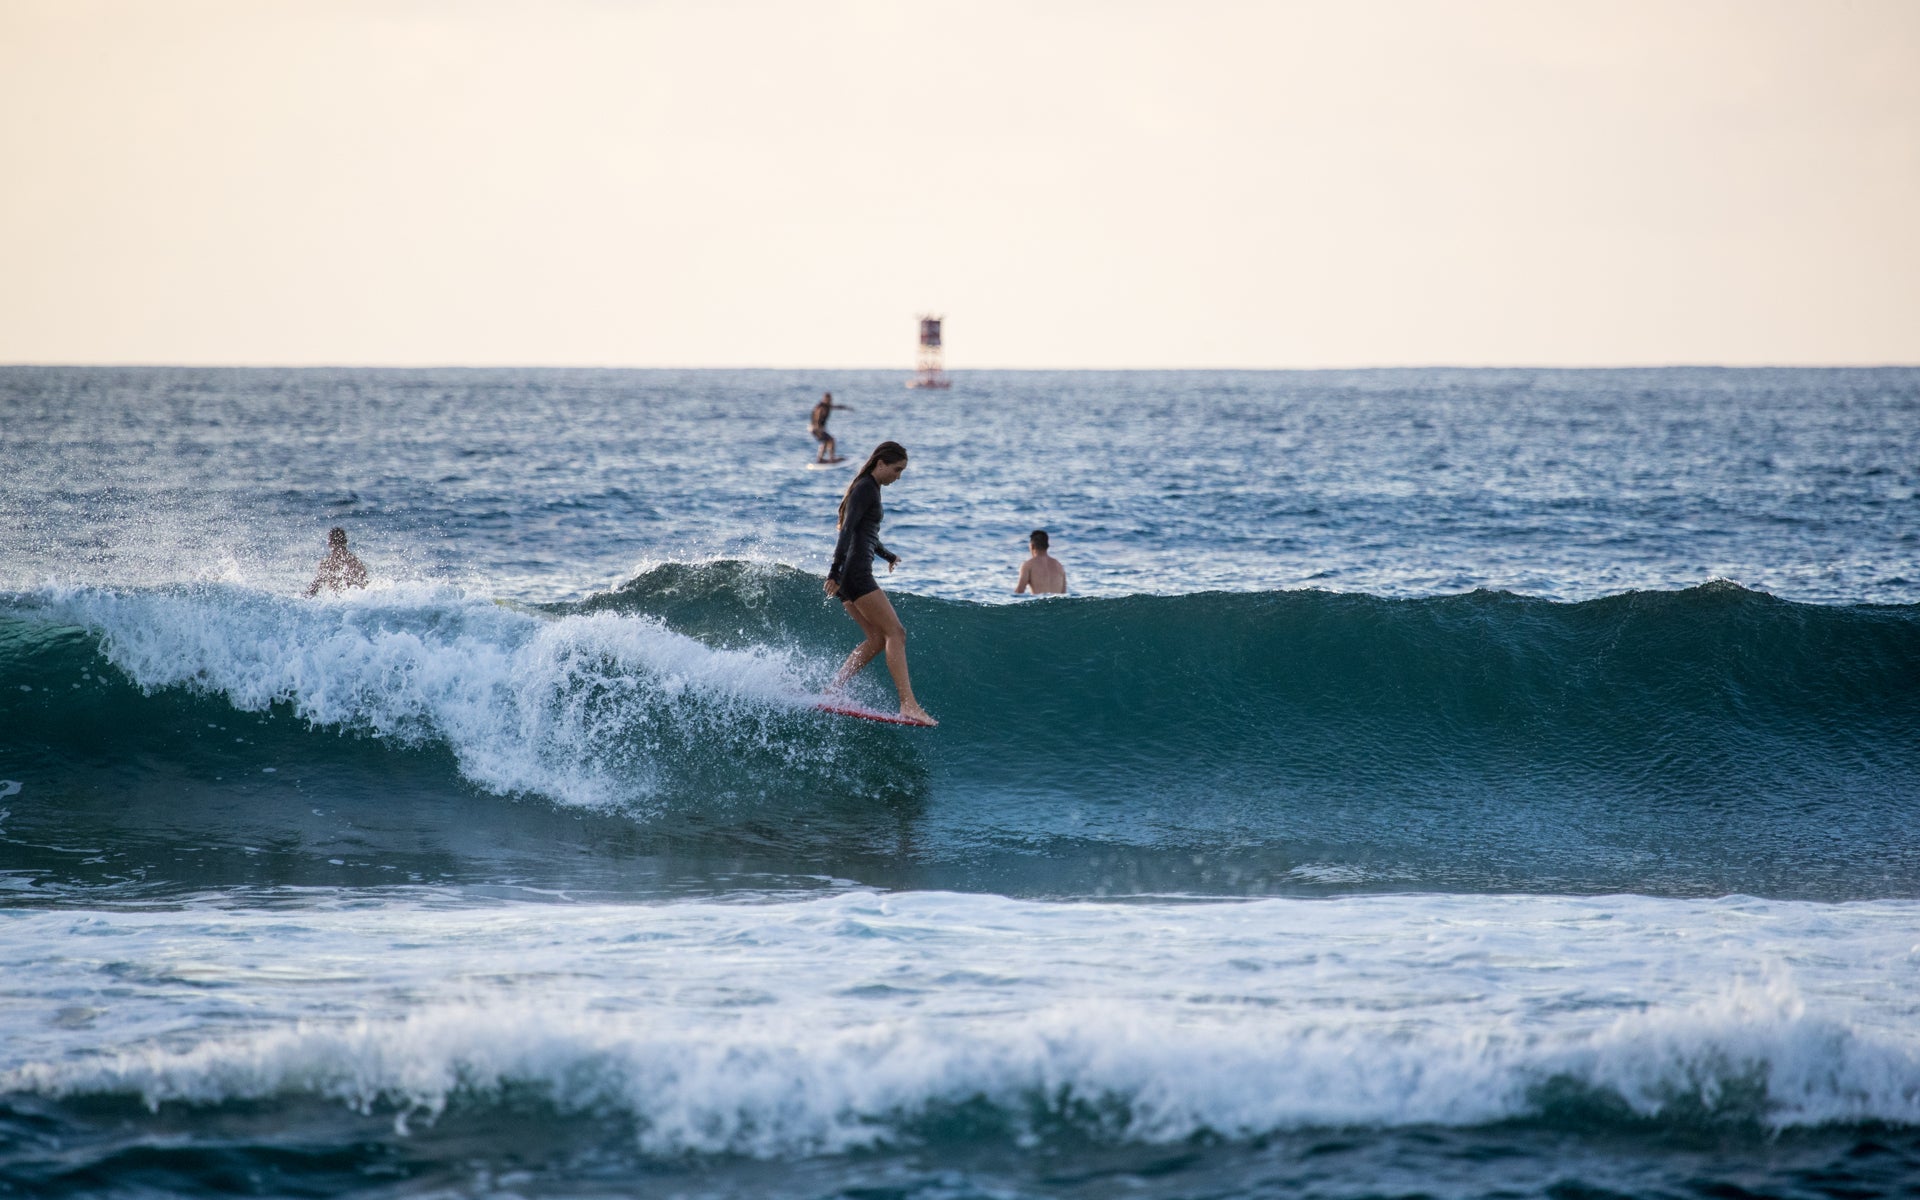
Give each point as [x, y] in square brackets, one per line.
[863, 653]
[875, 614]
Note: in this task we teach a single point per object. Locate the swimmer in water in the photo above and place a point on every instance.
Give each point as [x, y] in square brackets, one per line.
[339, 570]
[817, 425]
[1042, 573]
[850, 578]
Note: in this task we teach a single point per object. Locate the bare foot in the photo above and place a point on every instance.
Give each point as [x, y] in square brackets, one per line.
[913, 712]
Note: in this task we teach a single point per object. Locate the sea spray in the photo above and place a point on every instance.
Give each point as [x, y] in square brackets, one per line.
[586, 710]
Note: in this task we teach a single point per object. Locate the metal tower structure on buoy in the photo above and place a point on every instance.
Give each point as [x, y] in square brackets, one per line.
[929, 369]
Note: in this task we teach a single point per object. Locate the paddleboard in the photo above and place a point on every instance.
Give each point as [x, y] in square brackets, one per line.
[841, 708]
[821, 466]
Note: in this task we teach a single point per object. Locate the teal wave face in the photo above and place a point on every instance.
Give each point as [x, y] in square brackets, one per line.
[1662, 692]
[1690, 742]
[1697, 741]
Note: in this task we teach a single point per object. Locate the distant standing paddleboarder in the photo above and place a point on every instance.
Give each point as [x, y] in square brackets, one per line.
[829, 451]
[850, 578]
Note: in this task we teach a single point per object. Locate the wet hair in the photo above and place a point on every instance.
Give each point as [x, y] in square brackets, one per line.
[336, 536]
[885, 452]
[1038, 539]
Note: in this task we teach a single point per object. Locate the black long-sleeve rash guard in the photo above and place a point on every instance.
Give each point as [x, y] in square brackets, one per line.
[859, 540]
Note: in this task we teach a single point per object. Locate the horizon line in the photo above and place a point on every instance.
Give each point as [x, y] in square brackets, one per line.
[908, 373]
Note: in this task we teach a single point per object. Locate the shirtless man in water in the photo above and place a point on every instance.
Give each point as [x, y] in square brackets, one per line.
[1042, 573]
[339, 570]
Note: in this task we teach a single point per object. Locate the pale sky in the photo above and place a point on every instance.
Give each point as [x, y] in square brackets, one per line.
[1111, 184]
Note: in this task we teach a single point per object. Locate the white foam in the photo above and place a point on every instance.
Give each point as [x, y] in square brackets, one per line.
[580, 708]
[818, 1026]
[779, 1084]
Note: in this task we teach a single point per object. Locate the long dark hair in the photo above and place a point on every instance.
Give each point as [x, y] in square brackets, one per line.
[885, 452]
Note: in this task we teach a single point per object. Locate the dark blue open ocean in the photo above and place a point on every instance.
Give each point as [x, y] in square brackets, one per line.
[1446, 783]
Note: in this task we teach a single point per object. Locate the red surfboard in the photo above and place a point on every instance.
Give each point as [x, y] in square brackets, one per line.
[841, 708]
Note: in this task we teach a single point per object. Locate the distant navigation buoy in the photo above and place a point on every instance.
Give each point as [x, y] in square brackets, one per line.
[929, 369]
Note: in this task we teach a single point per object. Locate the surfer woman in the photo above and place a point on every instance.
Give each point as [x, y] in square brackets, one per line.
[851, 576]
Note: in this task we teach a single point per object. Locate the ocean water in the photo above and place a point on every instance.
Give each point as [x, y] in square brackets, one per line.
[1439, 783]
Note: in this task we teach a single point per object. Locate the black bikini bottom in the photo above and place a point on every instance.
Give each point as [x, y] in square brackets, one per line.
[856, 584]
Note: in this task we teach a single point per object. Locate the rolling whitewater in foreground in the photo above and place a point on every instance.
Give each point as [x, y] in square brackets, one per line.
[1445, 783]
